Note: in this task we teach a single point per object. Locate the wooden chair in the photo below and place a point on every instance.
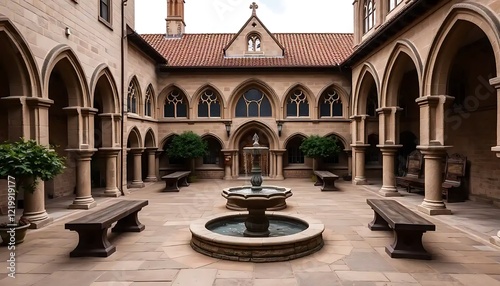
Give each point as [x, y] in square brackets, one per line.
[413, 176]
[453, 186]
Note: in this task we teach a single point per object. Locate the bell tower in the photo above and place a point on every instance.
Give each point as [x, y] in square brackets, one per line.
[175, 18]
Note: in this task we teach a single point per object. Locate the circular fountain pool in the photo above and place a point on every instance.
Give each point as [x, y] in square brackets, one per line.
[221, 236]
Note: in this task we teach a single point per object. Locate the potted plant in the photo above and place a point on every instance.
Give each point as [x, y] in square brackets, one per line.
[24, 163]
[188, 145]
[316, 146]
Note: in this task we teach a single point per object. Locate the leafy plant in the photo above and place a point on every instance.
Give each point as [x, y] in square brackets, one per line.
[28, 162]
[188, 145]
[316, 146]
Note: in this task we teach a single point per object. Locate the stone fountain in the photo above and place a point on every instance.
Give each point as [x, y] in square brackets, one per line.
[256, 235]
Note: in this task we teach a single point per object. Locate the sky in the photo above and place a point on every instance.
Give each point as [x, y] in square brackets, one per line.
[228, 16]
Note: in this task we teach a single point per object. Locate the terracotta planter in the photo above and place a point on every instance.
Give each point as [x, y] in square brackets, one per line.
[20, 233]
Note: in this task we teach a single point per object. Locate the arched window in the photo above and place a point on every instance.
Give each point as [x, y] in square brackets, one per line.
[175, 105]
[148, 101]
[297, 104]
[393, 4]
[369, 15]
[253, 103]
[253, 43]
[213, 156]
[132, 98]
[209, 104]
[330, 104]
[294, 154]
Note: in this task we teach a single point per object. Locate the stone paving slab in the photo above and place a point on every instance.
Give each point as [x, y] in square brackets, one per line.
[352, 255]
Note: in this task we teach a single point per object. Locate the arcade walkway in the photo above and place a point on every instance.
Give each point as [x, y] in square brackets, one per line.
[352, 255]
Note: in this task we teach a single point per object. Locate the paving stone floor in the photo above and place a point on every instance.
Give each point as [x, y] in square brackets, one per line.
[352, 255]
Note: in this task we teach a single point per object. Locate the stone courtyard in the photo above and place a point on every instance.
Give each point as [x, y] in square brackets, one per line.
[352, 255]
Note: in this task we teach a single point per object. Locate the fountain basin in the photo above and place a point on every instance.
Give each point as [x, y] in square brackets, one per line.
[257, 249]
[275, 195]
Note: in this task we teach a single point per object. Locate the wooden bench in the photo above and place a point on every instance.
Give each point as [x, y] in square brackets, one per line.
[93, 228]
[453, 187]
[413, 176]
[326, 180]
[172, 180]
[408, 228]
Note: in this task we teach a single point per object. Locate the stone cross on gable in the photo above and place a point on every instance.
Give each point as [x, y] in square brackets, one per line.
[254, 7]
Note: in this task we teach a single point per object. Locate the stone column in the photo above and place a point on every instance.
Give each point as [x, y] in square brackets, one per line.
[433, 202]
[157, 158]
[279, 164]
[83, 199]
[151, 151]
[34, 207]
[137, 180]
[228, 160]
[495, 82]
[111, 155]
[34, 203]
[388, 177]
[359, 164]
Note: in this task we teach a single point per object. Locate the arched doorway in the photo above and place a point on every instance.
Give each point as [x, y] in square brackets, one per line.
[149, 158]
[134, 159]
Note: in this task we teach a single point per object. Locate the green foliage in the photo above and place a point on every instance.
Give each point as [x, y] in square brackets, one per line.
[26, 160]
[316, 146]
[188, 145]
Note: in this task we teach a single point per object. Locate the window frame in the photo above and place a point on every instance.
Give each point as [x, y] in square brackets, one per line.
[254, 37]
[209, 102]
[393, 4]
[369, 15]
[183, 100]
[132, 98]
[297, 102]
[332, 104]
[107, 22]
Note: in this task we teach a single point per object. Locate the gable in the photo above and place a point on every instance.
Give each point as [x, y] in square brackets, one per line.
[239, 44]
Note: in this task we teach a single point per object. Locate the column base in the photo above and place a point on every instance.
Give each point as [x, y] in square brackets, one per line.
[38, 219]
[389, 192]
[83, 203]
[112, 193]
[360, 181]
[434, 208]
[279, 178]
[136, 185]
[151, 179]
[495, 239]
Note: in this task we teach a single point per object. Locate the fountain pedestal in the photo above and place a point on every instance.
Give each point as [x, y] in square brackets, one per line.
[257, 223]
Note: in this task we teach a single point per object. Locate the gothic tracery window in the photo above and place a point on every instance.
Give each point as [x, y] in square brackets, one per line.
[368, 15]
[209, 104]
[149, 101]
[253, 103]
[132, 98]
[330, 104]
[253, 43]
[297, 104]
[175, 105]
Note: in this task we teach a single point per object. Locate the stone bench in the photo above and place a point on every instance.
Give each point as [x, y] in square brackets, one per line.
[172, 180]
[326, 180]
[93, 228]
[408, 228]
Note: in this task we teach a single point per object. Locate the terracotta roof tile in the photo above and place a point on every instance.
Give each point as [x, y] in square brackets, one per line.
[206, 50]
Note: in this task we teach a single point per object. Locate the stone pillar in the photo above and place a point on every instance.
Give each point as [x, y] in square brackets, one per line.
[157, 158]
[34, 203]
[111, 156]
[83, 199]
[151, 151]
[34, 207]
[228, 159]
[432, 140]
[359, 164]
[137, 179]
[279, 164]
[433, 202]
[388, 177]
[495, 82]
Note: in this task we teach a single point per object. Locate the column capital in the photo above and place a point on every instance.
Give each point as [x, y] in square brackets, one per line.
[388, 110]
[151, 149]
[82, 153]
[359, 146]
[110, 115]
[389, 147]
[433, 100]
[110, 151]
[135, 150]
[88, 110]
[37, 101]
[278, 151]
[359, 117]
[496, 149]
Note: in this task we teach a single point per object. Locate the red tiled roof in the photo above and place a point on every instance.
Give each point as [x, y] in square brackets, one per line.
[206, 50]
